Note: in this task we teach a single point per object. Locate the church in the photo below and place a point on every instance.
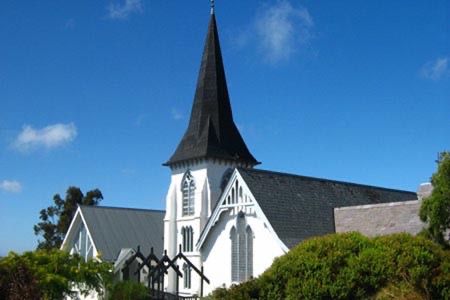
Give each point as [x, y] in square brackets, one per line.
[227, 217]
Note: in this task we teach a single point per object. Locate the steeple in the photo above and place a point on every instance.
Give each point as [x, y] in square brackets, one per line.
[212, 132]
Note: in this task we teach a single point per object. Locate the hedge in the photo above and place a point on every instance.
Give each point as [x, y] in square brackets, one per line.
[352, 266]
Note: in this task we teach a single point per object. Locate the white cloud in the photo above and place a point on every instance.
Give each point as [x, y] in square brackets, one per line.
[140, 119]
[48, 137]
[281, 29]
[436, 69]
[241, 39]
[123, 11]
[70, 24]
[176, 114]
[10, 186]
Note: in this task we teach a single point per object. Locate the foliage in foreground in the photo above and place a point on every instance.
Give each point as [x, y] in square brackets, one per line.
[56, 219]
[351, 266]
[41, 274]
[435, 209]
[128, 290]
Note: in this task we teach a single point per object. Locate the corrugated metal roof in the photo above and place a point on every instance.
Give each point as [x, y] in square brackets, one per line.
[300, 207]
[114, 228]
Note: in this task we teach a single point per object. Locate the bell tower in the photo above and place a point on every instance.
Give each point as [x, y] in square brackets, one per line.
[210, 146]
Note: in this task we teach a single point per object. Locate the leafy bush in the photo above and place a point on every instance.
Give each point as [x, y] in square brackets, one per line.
[330, 267]
[351, 266]
[18, 283]
[249, 291]
[129, 290]
[50, 275]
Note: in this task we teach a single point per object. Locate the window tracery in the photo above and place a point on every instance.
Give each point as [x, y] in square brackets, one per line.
[187, 234]
[188, 191]
[187, 276]
[241, 237]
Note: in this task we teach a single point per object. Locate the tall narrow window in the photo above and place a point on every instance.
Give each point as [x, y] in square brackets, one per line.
[191, 239]
[187, 234]
[187, 276]
[188, 190]
[184, 236]
[249, 250]
[242, 238]
[241, 250]
[234, 255]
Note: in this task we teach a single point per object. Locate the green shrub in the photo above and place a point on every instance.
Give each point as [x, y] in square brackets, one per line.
[248, 290]
[331, 267]
[413, 259]
[128, 290]
[351, 266]
[52, 274]
[400, 291]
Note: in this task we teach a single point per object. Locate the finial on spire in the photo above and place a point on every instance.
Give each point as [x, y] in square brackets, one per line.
[212, 6]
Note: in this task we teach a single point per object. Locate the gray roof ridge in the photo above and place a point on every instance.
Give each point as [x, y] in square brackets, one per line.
[321, 179]
[121, 208]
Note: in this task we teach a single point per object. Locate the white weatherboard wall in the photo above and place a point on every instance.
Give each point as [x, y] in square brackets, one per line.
[216, 251]
[215, 244]
[208, 175]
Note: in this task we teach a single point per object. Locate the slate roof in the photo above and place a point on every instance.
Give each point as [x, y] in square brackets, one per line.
[114, 228]
[300, 207]
[212, 132]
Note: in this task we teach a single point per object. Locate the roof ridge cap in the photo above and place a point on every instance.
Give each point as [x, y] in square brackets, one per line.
[119, 207]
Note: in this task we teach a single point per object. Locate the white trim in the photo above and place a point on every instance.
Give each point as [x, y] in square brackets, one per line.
[69, 231]
[124, 254]
[75, 224]
[221, 207]
[94, 250]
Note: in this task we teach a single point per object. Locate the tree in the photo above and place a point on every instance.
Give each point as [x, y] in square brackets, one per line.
[18, 282]
[51, 274]
[435, 209]
[56, 219]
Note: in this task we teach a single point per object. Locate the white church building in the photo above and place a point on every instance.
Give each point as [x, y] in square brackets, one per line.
[228, 217]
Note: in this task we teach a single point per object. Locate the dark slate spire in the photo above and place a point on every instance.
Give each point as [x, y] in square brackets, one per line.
[212, 132]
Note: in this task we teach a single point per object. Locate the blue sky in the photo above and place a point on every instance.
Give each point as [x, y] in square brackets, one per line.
[97, 94]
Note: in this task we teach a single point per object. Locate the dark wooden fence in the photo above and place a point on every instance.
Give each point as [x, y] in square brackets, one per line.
[158, 269]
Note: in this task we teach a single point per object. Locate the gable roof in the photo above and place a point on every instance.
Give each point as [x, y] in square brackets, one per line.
[115, 228]
[300, 207]
[212, 132]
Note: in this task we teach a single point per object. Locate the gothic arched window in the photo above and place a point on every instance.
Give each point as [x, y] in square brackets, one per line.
[188, 238]
[188, 190]
[234, 255]
[249, 252]
[241, 250]
[187, 276]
